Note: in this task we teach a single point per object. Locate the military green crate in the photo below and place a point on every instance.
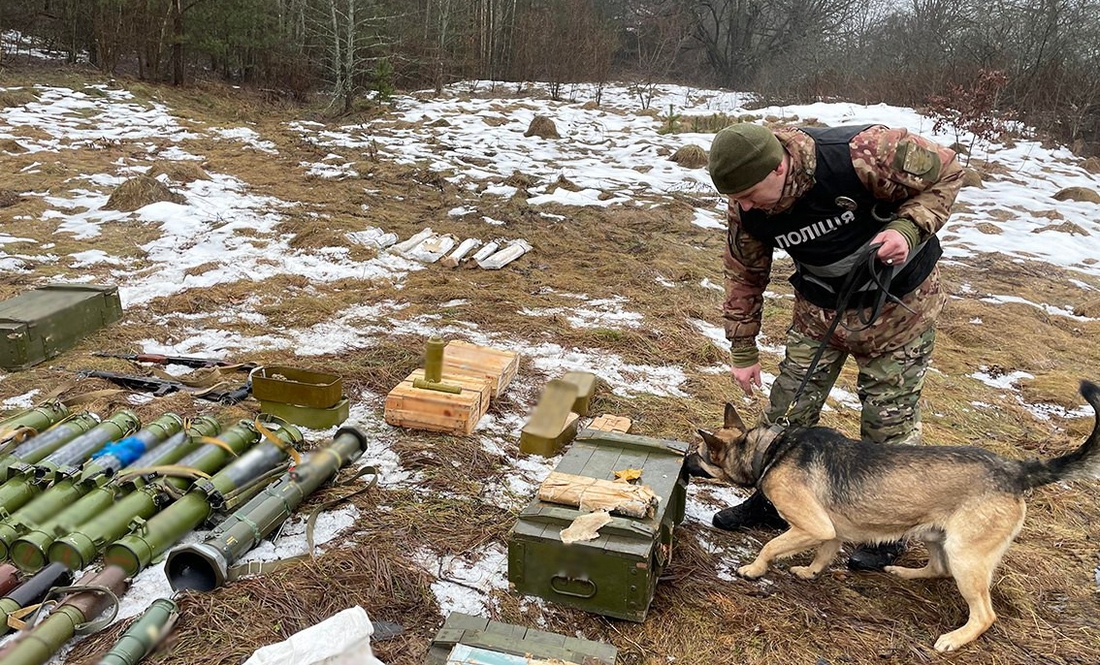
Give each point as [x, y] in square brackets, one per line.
[40, 324]
[616, 574]
[516, 640]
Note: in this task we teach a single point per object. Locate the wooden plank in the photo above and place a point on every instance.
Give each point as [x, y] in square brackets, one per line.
[463, 358]
[432, 410]
[609, 423]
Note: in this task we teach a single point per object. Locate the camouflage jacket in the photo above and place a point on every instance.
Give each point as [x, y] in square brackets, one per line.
[748, 261]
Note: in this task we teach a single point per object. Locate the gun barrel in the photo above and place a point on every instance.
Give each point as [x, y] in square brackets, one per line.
[143, 635]
[205, 566]
[135, 551]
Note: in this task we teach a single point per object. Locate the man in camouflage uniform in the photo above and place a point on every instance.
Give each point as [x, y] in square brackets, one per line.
[824, 195]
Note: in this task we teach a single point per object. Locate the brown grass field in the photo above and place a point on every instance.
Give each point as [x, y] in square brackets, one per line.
[1045, 592]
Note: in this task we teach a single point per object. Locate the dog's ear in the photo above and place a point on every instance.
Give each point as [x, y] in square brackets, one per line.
[732, 420]
[714, 444]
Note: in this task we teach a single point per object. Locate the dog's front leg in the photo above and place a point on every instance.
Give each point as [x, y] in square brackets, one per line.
[790, 542]
[826, 551]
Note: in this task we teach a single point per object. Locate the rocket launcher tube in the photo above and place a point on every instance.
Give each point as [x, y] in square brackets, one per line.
[66, 491]
[204, 567]
[32, 591]
[143, 635]
[123, 452]
[28, 552]
[135, 551]
[93, 594]
[28, 482]
[36, 419]
[112, 429]
[80, 547]
[39, 447]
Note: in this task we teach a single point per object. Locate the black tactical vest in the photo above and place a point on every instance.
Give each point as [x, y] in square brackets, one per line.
[823, 231]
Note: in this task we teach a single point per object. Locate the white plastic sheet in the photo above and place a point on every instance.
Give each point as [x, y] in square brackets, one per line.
[342, 639]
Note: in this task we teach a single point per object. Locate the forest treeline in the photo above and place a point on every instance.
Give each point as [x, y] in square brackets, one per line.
[1034, 60]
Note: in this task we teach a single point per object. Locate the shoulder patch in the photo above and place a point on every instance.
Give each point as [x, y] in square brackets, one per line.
[916, 160]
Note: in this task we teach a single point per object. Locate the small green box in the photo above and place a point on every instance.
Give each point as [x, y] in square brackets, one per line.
[308, 416]
[515, 640]
[291, 385]
[616, 574]
[43, 323]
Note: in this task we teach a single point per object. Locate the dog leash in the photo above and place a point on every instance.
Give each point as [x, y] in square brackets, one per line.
[867, 268]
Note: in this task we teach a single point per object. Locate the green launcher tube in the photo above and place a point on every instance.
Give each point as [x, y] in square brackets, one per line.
[30, 482]
[204, 566]
[68, 489]
[38, 419]
[143, 635]
[76, 609]
[80, 547]
[28, 552]
[38, 448]
[136, 550]
[31, 591]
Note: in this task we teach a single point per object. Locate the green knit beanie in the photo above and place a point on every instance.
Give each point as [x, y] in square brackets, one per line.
[743, 155]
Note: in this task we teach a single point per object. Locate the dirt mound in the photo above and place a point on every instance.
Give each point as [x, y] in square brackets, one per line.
[11, 145]
[542, 127]
[1078, 194]
[1092, 165]
[139, 192]
[972, 178]
[590, 105]
[520, 181]
[178, 171]
[9, 198]
[1064, 227]
[567, 184]
[690, 156]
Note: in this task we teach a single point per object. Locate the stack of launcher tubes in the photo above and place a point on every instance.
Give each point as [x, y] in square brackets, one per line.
[75, 488]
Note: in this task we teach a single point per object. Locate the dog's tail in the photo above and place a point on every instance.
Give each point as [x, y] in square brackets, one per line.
[1081, 464]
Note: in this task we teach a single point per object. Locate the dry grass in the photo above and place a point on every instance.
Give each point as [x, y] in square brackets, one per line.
[690, 156]
[1044, 593]
[139, 192]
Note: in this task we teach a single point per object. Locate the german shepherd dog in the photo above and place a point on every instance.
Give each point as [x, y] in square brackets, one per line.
[965, 503]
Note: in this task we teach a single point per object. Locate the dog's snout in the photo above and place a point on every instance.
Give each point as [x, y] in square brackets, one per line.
[693, 463]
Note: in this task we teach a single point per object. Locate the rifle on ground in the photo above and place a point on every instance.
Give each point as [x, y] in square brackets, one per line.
[160, 387]
[188, 361]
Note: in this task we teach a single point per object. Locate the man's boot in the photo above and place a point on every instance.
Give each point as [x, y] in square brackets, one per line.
[754, 511]
[876, 557]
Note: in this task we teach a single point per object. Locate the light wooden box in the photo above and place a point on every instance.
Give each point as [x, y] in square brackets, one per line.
[463, 358]
[436, 411]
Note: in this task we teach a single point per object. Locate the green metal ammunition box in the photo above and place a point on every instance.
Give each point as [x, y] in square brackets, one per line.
[40, 324]
[303, 387]
[616, 574]
[308, 416]
[516, 640]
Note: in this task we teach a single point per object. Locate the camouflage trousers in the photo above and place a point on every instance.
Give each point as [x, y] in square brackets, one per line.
[889, 386]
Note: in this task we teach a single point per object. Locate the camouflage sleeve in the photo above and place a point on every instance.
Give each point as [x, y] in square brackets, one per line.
[898, 166]
[747, 268]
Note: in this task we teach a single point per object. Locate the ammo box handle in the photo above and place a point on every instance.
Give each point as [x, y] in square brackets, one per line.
[554, 583]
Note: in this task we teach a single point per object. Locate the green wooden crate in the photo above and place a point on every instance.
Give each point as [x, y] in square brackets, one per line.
[616, 574]
[514, 640]
[40, 324]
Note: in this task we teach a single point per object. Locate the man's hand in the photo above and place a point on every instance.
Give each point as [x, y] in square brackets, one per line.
[895, 248]
[747, 377]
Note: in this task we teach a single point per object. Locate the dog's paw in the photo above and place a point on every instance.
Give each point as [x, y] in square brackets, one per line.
[951, 641]
[805, 572]
[752, 571]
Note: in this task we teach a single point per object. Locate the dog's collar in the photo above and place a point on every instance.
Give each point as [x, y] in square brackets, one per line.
[765, 454]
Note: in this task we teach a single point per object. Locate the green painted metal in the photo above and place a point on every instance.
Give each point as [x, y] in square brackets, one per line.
[136, 550]
[291, 385]
[75, 610]
[36, 419]
[71, 484]
[31, 591]
[83, 544]
[616, 574]
[38, 448]
[40, 324]
[504, 638]
[204, 566]
[102, 491]
[28, 482]
[143, 635]
[308, 416]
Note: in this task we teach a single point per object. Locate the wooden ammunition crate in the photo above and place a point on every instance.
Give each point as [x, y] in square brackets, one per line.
[616, 574]
[40, 324]
[436, 411]
[463, 358]
[463, 629]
